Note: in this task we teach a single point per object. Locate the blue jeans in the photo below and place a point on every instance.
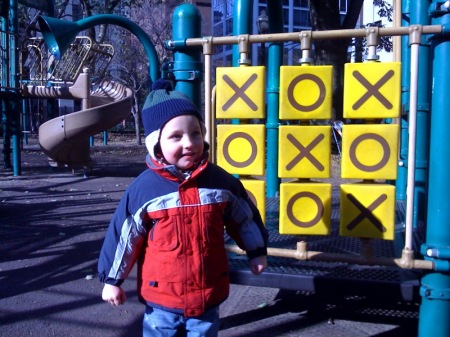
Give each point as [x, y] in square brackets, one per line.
[161, 323]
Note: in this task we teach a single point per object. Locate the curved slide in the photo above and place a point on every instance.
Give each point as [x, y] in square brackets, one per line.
[65, 139]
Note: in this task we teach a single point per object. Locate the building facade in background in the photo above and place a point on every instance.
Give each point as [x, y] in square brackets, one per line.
[295, 15]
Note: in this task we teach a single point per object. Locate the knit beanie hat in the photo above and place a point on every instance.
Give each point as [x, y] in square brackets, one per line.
[162, 104]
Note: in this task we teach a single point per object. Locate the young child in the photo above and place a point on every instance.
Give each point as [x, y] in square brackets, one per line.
[171, 220]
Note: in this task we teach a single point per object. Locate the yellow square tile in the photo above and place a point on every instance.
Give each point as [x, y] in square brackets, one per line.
[369, 151]
[241, 148]
[367, 211]
[372, 90]
[305, 208]
[306, 92]
[304, 151]
[240, 92]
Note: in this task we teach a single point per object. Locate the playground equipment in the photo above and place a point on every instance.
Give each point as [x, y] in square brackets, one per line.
[65, 139]
[410, 276]
[413, 264]
[65, 74]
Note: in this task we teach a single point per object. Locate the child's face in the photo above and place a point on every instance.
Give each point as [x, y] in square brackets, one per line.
[181, 141]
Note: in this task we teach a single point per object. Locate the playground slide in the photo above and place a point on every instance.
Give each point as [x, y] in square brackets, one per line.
[65, 139]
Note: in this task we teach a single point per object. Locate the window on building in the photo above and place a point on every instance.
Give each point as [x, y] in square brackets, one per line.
[304, 3]
[301, 18]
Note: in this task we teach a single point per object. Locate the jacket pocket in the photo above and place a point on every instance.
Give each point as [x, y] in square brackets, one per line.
[164, 234]
[213, 229]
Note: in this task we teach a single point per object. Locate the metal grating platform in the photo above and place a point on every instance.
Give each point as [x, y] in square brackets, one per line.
[332, 278]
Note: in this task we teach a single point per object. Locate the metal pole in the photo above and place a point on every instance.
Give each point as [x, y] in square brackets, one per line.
[25, 121]
[209, 107]
[187, 65]
[5, 84]
[400, 183]
[242, 19]
[412, 144]
[303, 254]
[13, 27]
[419, 15]
[241, 25]
[397, 40]
[434, 309]
[315, 35]
[275, 59]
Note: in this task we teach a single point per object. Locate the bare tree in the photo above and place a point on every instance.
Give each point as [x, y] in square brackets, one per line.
[130, 65]
[127, 77]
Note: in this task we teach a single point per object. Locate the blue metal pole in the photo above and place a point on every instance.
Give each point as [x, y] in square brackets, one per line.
[13, 27]
[4, 100]
[275, 58]
[242, 24]
[434, 310]
[419, 15]
[187, 65]
[403, 159]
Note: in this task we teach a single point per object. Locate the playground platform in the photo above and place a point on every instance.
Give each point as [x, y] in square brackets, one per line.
[53, 222]
[335, 278]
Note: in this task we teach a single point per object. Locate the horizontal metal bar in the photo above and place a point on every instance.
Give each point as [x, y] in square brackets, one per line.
[406, 262]
[315, 35]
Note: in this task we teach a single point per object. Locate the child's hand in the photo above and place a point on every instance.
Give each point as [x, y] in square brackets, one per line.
[258, 264]
[113, 295]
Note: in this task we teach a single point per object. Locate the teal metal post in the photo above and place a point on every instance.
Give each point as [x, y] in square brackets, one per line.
[5, 84]
[242, 24]
[13, 26]
[434, 310]
[419, 15]
[275, 58]
[187, 65]
[402, 170]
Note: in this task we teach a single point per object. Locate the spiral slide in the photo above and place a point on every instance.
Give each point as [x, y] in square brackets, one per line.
[65, 139]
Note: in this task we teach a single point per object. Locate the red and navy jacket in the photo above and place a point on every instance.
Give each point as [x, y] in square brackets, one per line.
[173, 225]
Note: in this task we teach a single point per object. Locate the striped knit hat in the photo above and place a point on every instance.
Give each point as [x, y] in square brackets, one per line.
[161, 105]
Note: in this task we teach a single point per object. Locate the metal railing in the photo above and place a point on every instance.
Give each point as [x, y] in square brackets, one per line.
[38, 67]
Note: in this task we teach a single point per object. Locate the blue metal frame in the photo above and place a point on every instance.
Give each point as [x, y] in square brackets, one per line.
[435, 286]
